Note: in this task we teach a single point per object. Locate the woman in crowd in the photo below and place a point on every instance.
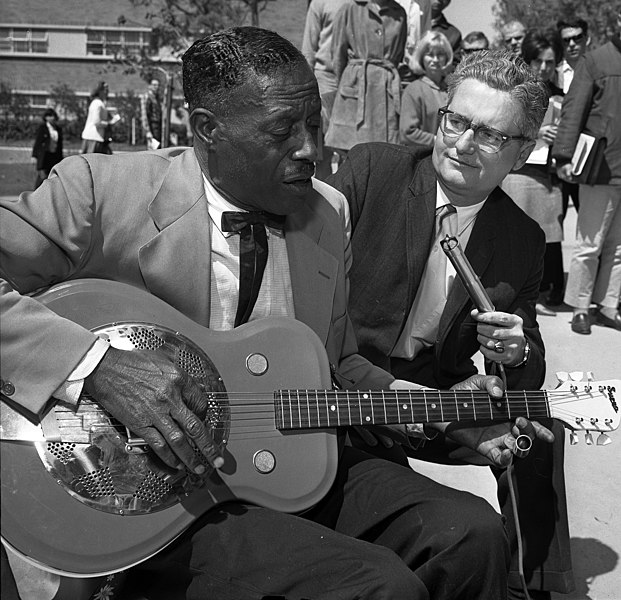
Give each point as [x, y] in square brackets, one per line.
[368, 42]
[48, 145]
[96, 133]
[534, 187]
[423, 97]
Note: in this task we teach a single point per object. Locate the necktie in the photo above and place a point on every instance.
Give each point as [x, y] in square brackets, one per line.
[445, 217]
[252, 254]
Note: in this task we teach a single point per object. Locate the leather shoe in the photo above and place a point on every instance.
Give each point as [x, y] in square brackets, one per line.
[608, 322]
[581, 324]
[544, 311]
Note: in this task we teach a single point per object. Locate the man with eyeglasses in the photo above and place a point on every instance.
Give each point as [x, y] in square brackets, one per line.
[414, 319]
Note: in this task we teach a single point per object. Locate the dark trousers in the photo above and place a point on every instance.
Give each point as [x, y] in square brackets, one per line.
[382, 532]
[553, 272]
[541, 499]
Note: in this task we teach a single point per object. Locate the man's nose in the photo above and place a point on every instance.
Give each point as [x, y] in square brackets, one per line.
[465, 142]
[307, 146]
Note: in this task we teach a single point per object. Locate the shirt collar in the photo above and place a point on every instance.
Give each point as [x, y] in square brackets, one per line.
[217, 204]
[462, 211]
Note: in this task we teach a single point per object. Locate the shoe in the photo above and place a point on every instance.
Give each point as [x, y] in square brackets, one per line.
[544, 310]
[608, 322]
[581, 324]
[555, 298]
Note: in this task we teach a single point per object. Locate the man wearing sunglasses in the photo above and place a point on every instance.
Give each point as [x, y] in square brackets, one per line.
[574, 33]
[428, 333]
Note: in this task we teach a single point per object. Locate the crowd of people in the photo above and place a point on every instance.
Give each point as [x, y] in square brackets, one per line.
[318, 187]
[398, 55]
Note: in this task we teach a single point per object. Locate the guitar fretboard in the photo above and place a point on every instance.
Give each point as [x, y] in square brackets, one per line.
[309, 409]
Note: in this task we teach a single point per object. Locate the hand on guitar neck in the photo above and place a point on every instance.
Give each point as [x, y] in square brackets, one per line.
[493, 443]
[157, 401]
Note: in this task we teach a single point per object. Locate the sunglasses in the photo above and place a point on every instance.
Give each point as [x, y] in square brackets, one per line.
[576, 39]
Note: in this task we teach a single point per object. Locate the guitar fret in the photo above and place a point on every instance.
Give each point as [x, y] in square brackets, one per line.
[384, 405]
[308, 408]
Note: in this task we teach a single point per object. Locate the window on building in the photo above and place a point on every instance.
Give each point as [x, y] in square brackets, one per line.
[107, 42]
[16, 39]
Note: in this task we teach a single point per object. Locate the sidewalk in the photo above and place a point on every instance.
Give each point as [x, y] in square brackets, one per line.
[592, 475]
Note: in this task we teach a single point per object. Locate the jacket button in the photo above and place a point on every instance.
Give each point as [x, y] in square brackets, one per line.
[8, 389]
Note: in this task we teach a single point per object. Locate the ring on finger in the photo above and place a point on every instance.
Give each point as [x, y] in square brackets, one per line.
[499, 347]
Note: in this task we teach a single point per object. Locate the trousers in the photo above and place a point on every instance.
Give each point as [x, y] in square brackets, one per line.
[383, 532]
[595, 268]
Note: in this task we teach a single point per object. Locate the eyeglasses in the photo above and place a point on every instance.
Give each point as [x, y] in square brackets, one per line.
[576, 39]
[486, 138]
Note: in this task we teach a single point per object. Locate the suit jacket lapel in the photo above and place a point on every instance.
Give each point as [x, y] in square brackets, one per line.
[420, 221]
[479, 252]
[176, 263]
[313, 271]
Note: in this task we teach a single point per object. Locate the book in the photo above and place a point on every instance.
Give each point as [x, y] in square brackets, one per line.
[581, 153]
[587, 159]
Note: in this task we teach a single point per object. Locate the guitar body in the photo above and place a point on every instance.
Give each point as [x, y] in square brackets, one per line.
[51, 520]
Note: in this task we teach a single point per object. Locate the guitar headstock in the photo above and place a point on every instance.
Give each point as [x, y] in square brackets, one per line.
[586, 405]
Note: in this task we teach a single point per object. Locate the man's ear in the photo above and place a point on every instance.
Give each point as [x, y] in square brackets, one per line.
[527, 148]
[203, 123]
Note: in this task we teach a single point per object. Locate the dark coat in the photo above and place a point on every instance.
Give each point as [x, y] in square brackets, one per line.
[40, 149]
[392, 196]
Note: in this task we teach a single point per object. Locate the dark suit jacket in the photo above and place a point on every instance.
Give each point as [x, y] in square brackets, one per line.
[142, 219]
[392, 196]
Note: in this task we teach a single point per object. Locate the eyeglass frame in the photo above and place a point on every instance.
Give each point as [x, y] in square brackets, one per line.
[442, 112]
[576, 39]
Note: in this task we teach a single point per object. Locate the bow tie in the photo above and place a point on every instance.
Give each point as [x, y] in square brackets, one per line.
[236, 221]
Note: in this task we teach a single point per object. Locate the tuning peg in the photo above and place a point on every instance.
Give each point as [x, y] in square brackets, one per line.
[573, 438]
[576, 375]
[588, 438]
[603, 440]
[589, 376]
[562, 376]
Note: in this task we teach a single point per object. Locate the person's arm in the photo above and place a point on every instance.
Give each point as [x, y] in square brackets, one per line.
[47, 238]
[340, 41]
[574, 114]
[312, 30]
[411, 119]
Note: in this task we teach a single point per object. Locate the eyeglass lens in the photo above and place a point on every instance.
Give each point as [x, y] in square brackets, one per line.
[574, 38]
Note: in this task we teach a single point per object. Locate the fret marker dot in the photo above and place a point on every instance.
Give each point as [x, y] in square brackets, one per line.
[365, 396]
[433, 406]
[498, 404]
[465, 405]
[405, 407]
[367, 419]
[333, 408]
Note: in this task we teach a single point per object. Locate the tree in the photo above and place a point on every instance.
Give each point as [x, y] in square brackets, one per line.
[67, 102]
[599, 14]
[177, 23]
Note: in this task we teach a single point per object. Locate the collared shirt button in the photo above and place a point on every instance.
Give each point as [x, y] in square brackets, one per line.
[8, 389]
[379, 32]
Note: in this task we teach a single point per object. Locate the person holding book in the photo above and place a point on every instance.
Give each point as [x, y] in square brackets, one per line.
[592, 106]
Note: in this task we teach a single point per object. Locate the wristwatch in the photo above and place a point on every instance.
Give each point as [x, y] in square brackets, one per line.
[525, 357]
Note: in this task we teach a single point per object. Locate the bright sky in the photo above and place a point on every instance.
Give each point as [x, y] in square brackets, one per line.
[472, 15]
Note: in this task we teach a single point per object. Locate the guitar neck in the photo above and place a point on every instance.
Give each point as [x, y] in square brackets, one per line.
[310, 409]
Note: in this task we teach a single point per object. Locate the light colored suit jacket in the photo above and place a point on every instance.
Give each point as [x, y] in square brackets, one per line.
[142, 219]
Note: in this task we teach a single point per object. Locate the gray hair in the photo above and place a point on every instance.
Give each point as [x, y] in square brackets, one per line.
[503, 71]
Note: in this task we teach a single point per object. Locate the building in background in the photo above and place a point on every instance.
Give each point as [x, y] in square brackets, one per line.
[44, 44]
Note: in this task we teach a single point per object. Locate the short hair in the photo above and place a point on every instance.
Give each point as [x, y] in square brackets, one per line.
[574, 23]
[50, 112]
[215, 66]
[98, 89]
[503, 71]
[431, 39]
[537, 40]
[510, 24]
[476, 36]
